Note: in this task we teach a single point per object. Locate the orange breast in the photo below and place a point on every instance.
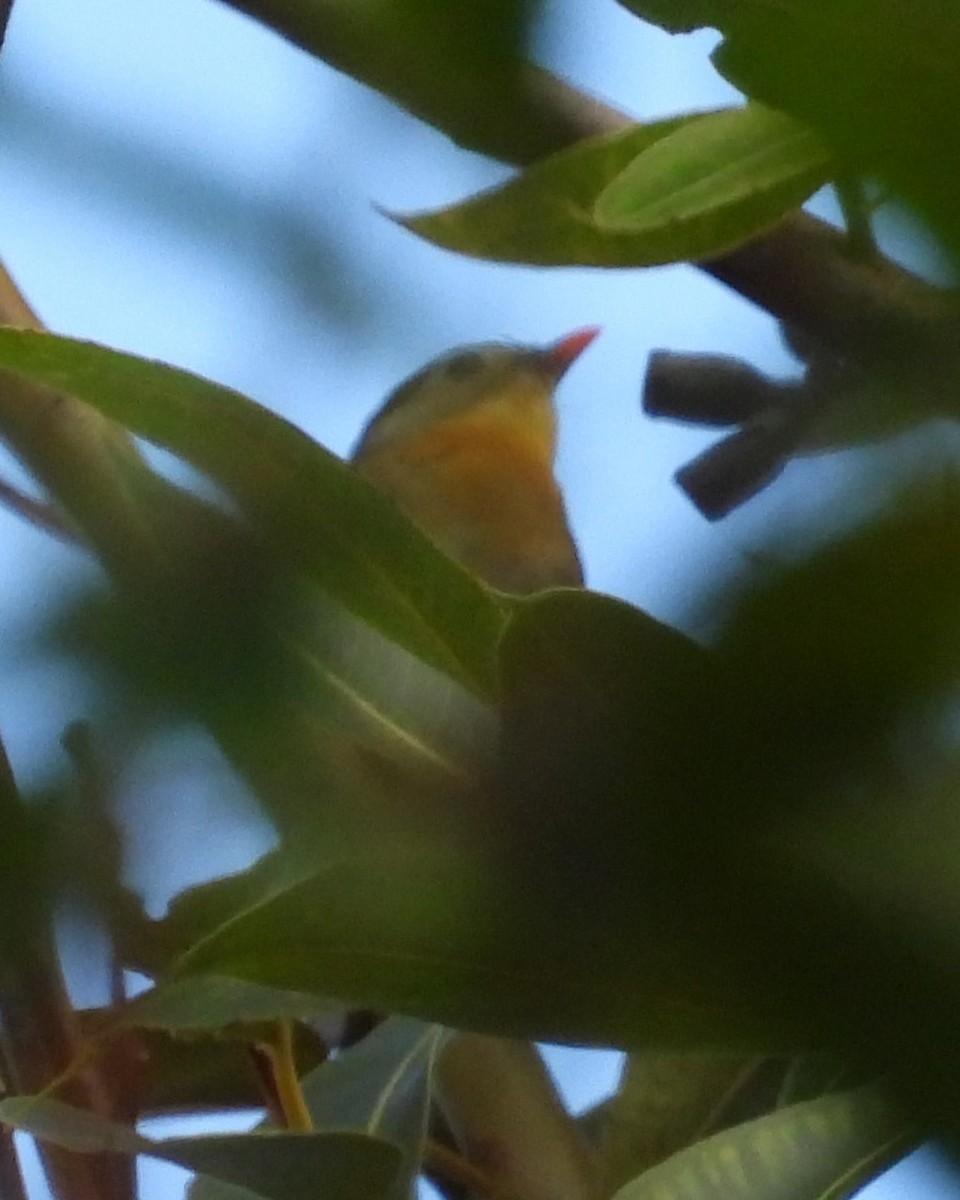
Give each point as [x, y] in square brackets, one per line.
[485, 492]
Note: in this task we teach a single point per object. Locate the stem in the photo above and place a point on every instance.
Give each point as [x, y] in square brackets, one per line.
[11, 1177]
[456, 1169]
[38, 513]
[41, 1035]
[284, 1083]
[856, 216]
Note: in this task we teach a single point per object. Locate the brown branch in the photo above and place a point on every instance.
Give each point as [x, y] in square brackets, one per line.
[38, 513]
[443, 1162]
[41, 1034]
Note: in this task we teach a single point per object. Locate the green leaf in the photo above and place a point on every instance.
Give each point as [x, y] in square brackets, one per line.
[381, 1087]
[685, 16]
[677, 16]
[307, 502]
[445, 936]
[716, 181]
[823, 1149]
[665, 1102]
[607, 712]
[215, 1003]
[276, 1166]
[832, 63]
[545, 215]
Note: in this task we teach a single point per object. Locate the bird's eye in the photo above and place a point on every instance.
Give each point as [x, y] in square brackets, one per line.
[462, 366]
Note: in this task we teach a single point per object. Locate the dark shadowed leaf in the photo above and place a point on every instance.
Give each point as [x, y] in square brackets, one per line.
[276, 1166]
[215, 1003]
[678, 16]
[463, 939]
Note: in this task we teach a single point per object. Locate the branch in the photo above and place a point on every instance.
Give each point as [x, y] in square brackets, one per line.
[6, 8]
[507, 1119]
[41, 1036]
[801, 272]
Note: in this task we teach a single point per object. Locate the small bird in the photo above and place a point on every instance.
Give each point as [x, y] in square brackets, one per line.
[466, 448]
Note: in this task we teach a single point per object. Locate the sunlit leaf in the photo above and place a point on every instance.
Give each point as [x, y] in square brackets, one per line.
[823, 1149]
[717, 180]
[665, 1102]
[545, 215]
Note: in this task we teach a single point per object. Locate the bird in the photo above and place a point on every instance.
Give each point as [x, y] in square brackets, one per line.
[466, 447]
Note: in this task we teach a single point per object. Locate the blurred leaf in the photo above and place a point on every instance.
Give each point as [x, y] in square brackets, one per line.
[439, 935]
[206, 1074]
[826, 868]
[813, 1075]
[312, 506]
[716, 181]
[679, 16]
[277, 1166]
[612, 721]
[501, 1105]
[430, 56]
[545, 215]
[215, 1004]
[821, 1150]
[665, 1102]
[877, 81]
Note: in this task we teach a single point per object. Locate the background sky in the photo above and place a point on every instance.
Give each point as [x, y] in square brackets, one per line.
[179, 182]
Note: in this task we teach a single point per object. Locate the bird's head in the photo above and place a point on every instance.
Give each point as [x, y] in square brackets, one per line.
[466, 447]
[518, 381]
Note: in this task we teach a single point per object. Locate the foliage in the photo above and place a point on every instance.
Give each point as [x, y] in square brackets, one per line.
[548, 817]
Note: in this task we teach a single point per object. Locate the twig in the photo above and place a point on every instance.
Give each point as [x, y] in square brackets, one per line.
[6, 8]
[277, 1066]
[450, 1165]
[100, 841]
[856, 216]
[11, 1177]
[41, 1035]
[38, 513]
